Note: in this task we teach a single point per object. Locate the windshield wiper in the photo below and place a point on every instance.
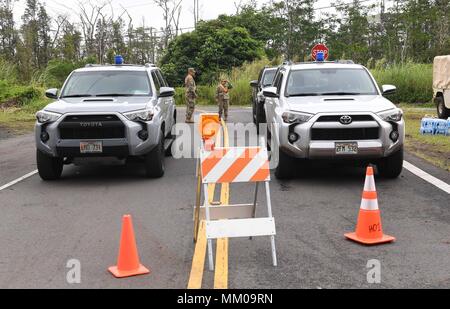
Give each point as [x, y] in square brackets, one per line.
[77, 96]
[312, 94]
[341, 93]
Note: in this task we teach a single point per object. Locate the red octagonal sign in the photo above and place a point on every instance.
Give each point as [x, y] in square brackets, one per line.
[320, 48]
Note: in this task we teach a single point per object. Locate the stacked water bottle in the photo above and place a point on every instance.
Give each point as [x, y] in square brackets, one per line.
[434, 126]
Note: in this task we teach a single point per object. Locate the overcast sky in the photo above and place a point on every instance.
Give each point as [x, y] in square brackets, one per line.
[147, 10]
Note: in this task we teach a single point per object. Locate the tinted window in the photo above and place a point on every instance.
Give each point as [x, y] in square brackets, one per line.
[162, 80]
[156, 81]
[268, 78]
[330, 82]
[98, 83]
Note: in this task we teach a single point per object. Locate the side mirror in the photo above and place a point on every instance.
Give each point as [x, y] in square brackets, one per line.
[165, 92]
[270, 92]
[254, 83]
[52, 93]
[389, 89]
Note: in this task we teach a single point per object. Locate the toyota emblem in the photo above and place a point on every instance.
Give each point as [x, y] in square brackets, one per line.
[346, 120]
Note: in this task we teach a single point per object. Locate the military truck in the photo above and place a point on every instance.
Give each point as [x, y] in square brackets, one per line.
[441, 85]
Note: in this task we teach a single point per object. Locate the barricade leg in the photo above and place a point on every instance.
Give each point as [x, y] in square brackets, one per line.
[274, 251]
[272, 238]
[255, 201]
[197, 202]
[208, 218]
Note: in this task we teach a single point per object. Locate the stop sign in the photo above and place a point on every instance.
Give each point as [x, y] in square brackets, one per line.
[320, 48]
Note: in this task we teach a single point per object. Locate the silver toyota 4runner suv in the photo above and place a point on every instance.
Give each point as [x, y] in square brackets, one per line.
[333, 110]
[121, 111]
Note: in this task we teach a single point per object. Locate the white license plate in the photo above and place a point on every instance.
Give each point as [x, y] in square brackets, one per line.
[346, 148]
[91, 147]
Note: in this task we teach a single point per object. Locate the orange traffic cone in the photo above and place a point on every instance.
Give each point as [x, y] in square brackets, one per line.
[369, 230]
[128, 264]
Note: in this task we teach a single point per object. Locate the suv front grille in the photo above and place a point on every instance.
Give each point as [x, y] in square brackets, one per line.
[337, 118]
[344, 134]
[92, 127]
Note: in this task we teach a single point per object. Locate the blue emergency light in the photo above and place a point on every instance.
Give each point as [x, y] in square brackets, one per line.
[320, 56]
[118, 60]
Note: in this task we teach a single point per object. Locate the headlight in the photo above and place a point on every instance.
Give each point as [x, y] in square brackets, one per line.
[45, 117]
[296, 117]
[142, 115]
[394, 115]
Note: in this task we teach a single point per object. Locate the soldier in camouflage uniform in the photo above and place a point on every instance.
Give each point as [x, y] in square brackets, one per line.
[223, 98]
[191, 95]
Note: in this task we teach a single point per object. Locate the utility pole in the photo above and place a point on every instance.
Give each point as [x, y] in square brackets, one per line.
[196, 12]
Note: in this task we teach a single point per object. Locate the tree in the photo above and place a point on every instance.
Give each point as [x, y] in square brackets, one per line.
[171, 13]
[211, 50]
[8, 34]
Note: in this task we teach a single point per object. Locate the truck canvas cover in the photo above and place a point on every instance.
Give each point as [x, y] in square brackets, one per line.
[441, 72]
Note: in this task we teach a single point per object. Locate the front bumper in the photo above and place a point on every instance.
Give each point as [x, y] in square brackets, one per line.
[131, 145]
[307, 148]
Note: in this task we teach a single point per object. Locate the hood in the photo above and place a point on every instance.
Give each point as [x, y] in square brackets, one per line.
[339, 104]
[99, 105]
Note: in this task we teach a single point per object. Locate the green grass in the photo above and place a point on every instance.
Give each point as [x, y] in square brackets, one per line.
[432, 148]
[21, 119]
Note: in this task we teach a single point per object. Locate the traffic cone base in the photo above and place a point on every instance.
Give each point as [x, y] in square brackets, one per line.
[142, 270]
[370, 242]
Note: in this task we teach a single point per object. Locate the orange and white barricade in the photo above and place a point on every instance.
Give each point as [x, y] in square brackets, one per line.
[236, 165]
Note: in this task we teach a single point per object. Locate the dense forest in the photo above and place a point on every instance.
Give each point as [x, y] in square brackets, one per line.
[45, 48]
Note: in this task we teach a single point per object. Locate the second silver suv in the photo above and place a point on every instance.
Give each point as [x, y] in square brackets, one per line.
[122, 111]
[333, 110]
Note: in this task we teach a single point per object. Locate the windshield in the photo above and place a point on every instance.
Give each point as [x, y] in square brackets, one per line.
[107, 83]
[268, 77]
[320, 82]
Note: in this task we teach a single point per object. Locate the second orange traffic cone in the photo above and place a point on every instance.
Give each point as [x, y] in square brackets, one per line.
[128, 264]
[369, 230]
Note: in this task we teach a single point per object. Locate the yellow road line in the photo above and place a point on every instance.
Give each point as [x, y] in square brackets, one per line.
[221, 273]
[198, 262]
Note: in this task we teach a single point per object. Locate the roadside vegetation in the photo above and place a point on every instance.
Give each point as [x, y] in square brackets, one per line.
[432, 148]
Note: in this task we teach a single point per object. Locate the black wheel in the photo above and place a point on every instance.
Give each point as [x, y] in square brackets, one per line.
[392, 166]
[286, 166]
[49, 168]
[154, 161]
[443, 112]
[254, 112]
[260, 116]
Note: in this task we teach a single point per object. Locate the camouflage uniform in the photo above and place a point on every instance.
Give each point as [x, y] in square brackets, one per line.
[191, 96]
[223, 100]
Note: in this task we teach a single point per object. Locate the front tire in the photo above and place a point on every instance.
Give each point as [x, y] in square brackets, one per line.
[260, 117]
[49, 168]
[154, 161]
[392, 166]
[443, 112]
[286, 166]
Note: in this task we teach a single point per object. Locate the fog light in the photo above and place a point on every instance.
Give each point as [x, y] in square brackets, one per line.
[143, 135]
[293, 137]
[394, 136]
[44, 137]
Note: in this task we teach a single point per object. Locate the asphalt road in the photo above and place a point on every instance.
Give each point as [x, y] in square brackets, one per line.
[43, 225]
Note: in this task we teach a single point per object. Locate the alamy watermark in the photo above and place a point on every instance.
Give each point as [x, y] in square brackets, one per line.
[73, 276]
[188, 139]
[374, 273]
